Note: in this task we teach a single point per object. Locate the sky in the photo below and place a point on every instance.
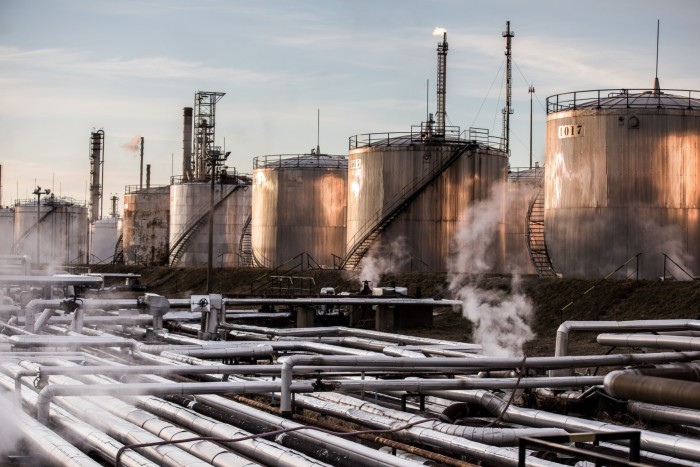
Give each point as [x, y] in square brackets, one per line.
[68, 67]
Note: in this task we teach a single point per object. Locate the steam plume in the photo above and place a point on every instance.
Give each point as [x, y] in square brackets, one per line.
[133, 145]
[9, 433]
[383, 259]
[500, 318]
[439, 31]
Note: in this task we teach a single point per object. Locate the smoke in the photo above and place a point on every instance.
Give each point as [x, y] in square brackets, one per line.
[133, 145]
[439, 31]
[10, 435]
[500, 318]
[383, 259]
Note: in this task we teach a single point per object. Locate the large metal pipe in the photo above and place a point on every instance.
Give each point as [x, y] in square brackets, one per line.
[650, 340]
[69, 341]
[625, 384]
[664, 413]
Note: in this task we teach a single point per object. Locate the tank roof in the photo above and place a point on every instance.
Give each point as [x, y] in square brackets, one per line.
[300, 161]
[624, 99]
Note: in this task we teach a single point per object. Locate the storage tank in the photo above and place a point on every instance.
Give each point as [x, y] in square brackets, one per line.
[299, 206]
[103, 239]
[522, 222]
[145, 226]
[63, 231]
[621, 181]
[411, 190]
[189, 217]
[7, 230]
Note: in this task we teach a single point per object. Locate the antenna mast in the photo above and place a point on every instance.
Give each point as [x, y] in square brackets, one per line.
[508, 34]
[657, 87]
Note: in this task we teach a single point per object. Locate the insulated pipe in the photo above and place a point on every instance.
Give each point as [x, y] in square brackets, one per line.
[43, 319]
[653, 389]
[650, 340]
[248, 387]
[676, 446]
[664, 413]
[69, 341]
[86, 435]
[463, 364]
[561, 346]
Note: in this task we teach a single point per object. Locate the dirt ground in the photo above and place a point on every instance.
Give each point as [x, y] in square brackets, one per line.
[553, 300]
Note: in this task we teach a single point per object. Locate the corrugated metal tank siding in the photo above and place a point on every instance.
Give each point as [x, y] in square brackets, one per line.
[299, 210]
[519, 194]
[189, 201]
[621, 190]
[430, 223]
[64, 233]
[146, 226]
[7, 230]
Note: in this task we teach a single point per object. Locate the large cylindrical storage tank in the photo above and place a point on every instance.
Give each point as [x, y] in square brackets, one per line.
[523, 186]
[299, 206]
[189, 221]
[104, 234]
[622, 180]
[146, 225]
[7, 230]
[63, 231]
[384, 172]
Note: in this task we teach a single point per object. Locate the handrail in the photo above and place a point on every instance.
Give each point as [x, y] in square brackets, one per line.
[633, 98]
[301, 160]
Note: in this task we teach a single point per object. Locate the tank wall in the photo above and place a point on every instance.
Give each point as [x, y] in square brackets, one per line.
[189, 202]
[63, 233]
[627, 185]
[145, 227]
[519, 194]
[299, 210]
[427, 228]
[7, 230]
[104, 235]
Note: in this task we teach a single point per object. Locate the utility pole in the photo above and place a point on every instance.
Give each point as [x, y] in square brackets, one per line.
[38, 192]
[531, 91]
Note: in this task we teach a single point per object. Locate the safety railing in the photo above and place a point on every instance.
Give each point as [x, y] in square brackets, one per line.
[301, 161]
[628, 98]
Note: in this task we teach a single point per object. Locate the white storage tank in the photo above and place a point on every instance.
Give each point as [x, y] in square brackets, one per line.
[104, 234]
[146, 225]
[7, 230]
[299, 207]
[621, 182]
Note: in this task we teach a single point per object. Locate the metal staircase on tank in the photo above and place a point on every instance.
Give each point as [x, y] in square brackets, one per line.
[536, 245]
[118, 257]
[16, 246]
[245, 246]
[177, 249]
[367, 235]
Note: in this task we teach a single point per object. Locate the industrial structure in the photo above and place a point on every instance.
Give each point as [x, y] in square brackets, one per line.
[299, 207]
[621, 185]
[104, 235]
[7, 229]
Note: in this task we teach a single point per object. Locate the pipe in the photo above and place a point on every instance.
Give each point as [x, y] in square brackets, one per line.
[650, 340]
[663, 413]
[463, 364]
[69, 341]
[51, 391]
[625, 384]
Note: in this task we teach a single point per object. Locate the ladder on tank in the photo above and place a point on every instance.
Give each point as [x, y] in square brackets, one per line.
[245, 246]
[367, 235]
[536, 245]
[118, 257]
[178, 247]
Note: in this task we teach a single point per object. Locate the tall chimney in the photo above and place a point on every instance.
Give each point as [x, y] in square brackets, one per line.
[441, 84]
[96, 153]
[141, 173]
[148, 176]
[187, 143]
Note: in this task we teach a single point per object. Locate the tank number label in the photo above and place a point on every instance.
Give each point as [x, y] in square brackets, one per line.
[356, 163]
[570, 131]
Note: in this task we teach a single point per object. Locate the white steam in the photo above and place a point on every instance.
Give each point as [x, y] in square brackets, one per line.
[439, 31]
[383, 259]
[500, 318]
[10, 435]
[133, 145]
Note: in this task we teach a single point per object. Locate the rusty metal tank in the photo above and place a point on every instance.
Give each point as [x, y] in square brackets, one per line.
[7, 230]
[419, 187]
[621, 185]
[145, 225]
[299, 208]
[189, 220]
[63, 231]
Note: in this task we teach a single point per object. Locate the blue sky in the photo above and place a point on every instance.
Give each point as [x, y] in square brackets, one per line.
[129, 67]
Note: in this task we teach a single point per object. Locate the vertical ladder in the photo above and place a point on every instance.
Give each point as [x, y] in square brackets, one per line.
[536, 245]
[118, 257]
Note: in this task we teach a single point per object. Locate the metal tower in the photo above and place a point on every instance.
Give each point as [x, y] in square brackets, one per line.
[96, 161]
[204, 126]
[441, 85]
[508, 34]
